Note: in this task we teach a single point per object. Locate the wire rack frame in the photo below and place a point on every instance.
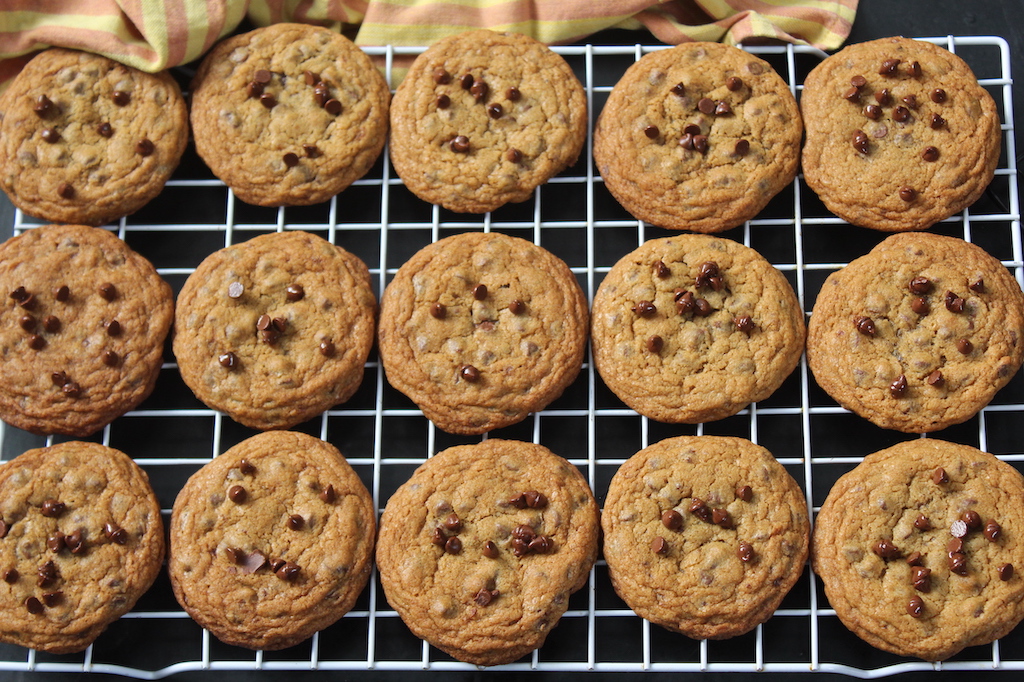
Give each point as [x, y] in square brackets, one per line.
[591, 607]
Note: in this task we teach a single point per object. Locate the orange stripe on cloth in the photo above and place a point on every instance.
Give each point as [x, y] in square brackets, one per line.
[91, 40]
[88, 7]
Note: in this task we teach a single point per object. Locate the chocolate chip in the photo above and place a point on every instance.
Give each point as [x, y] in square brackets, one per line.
[55, 542]
[321, 93]
[263, 322]
[268, 100]
[535, 500]
[685, 303]
[480, 292]
[900, 114]
[659, 546]
[922, 522]
[441, 77]
[327, 348]
[27, 323]
[885, 549]
[523, 532]
[978, 286]
[852, 95]
[706, 106]
[453, 523]
[460, 144]
[296, 522]
[652, 132]
[108, 292]
[733, 83]
[723, 109]
[865, 325]
[275, 564]
[908, 193]
[52, 508]
[33, 605]
[253, 561]
[645, 309]
[972, 519]
[883, 96]
[332, 107]
[898, 388]
[686, 141]
[920, 306]
[113, 328]
[479, 90]
[65, 190]
[469, 373]
[115, 533]
[702, 308]
[939, 476]
[311, 151]
[253, 89]
[453, 545]
[294, 292]
[75, 542]
[36, 342]
[860, 141]
[873, 111]
[467, 81]
[655, 344]
[120, 97]
[11, 576]
[721, 517]
[514, 155]
[915, 607]
[742, 148]
[58, 379]
[516, 307]
[512, 94]
[52, 599]
[237, 494]
[910, 101]
[71, 389]
[935, 379]
[62, 293]
[938, 95]
[930, 154]
[541, 544]
[744, 324]
[144, 147]
[707, 272]
[745, 552]
[289, 571]
[490, 550]
[692, 129]
[1005, 572]
[914, 559]
[262, 76]
[958, 563]
[914, 69]
[954, 303]
[964, 346]
[889, 67]
[50, 135]
[858, 82]
[328, 495]
[699, 509]
[993, 531]
[310, 78]
[110, 358]
[678, 89]
[51, 324]
[672, 519]
[42, 106]
[937, 121]
[495, 110]
[291, 159]
[958, 529]
[47, 574]
[700, 143]
[438, 537]
[4, 528]
[921, 578]
[920, 285]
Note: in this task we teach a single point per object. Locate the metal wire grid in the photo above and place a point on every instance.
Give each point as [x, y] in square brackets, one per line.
[385, 436]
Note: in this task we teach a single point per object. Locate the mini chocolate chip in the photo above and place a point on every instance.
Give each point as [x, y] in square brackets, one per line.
[721, 517]
[75, 542]
[686, 141]
[921, 578]
[889, 67]
[483, 597]
[699, 509]
[332, 107]
[908, 193]
[289, 571]
[920, 285]
[964, 346]
[883, 96]
[42, 106]
[692, 129]
[490, 550]
[702, 308]
[58, 379]
[860, 141]
[914, 559]
[972, 519]
[858, 81]
[453, 523]
[438, 311]
[938, 95]
[519, 501]
[885, 549]
[291, 159]
[655, 344]
[268, 100]
[310, 78]
[978, 286]
[541, 544]
[479, 90]
[920, 306]
[50, 135]
[733, 83]
[745, 493]
[52, 508]
[62, 293]
[51, 323]
[453, 545]
[958, 563]
[915, 607]
[480, 292]
[121, 97]
[65, 190]
[443, 101]
[311, 151]
[742, 147]
[745, 552]
[33, 605]
[71, 389]
[678, 89]
[494, 110]
[262, 76]
[706, 106]
[512, 94]
[873, 111]
[700, 143]
[55, 542]
[438, 537]
[469, 373]
[514, 155]
[852, 95]
[253, 89]
[993, 531]
[900, 114]
[327, 348]
[898, 388]
[645, 309]
[954, 303]
[939, 476]
[930, 154]
[441, 77]
[27, 323]
[661, 270]
[108, 292]
[460, 144]
[865, 325]
[115, 533]
[652, 132]
[263, 322]
[467, 81]
[516, 307]
[659, 546]
[723, 109]
[328, 495]
[922, 522]
[294, 292]
[275, 564]
[684, 302]
[935, 379]
[237, 494]
[113, 327]
[296, 522]
[11, 576]
[914, 69]
[910, 101]
[110, 358]
[535, 500]
[672, 519]
[144, 147]
[937, 121]
[744, 324]
[1005, 572]
[958, 529]
[47, 574]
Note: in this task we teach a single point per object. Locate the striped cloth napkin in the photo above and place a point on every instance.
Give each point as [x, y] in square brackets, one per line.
[156, 34]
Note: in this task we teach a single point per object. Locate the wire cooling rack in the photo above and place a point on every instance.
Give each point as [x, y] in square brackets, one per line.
[385, 437]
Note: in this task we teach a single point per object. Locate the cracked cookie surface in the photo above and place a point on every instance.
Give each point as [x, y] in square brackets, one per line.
[693, 328]
[275, 330]
[918, 334]
[271, 541]
[85, 139]
[480, 549]
[480, 329]
[704, 535]
[905, 547]
[483, 118]
[900, 135]
[698, 137]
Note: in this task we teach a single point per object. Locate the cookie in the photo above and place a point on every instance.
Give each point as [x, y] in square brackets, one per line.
[899, 134]
[480, 329]
[483, 118]
[918, 334]
[271, 541]
[85, 139]
[918, 548]
[704, 535]
[288, 114]
[693, 328]
[698, 137]
[80, 541]
[82, 329]
[275, 330]
[480, 549]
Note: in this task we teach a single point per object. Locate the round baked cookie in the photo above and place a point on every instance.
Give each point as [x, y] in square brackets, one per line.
[480, 329]
[704, 535]
[275, 330]
[80, 541]
[480, 549]
[918, 548]
[82, 329]
[918, 334]
[698, 137]
[288, 114]
[271, 541]
[899, 134]
[693, 328]
[483, 118]
[85, 139]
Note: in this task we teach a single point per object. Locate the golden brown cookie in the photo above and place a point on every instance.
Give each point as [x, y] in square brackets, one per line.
[480, 329]
[693, 328]
[698, 137]
[918, 334]
[288, 114]
[80, 541]
[704, 535]
[84, 139]
[275, 330]
[82, 329]
[271, 541]
[899, 134]
[483, 118]
[481, 548]
[919, 548]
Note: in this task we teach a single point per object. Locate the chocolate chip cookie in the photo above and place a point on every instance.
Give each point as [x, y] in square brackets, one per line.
[82, 329]
[483, 118]
[481, 548]
[918, 334]
[480, 329]
[80, 541]
[288, 114]
[692, 328]
[85, 139]
[275, 330]
[704, 535]
[899, 134]
[918, 550]
[271, 541]
[698, 137]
